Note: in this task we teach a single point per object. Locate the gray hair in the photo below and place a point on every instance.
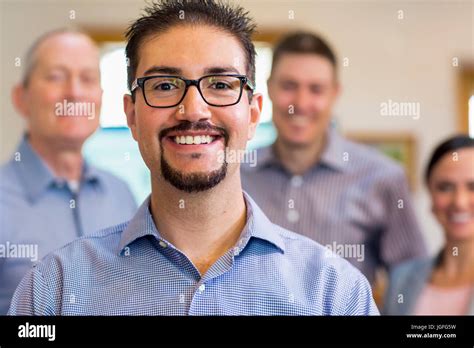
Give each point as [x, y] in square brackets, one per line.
[30, 59]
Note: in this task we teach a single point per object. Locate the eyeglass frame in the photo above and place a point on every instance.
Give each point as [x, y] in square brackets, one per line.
[140, 82]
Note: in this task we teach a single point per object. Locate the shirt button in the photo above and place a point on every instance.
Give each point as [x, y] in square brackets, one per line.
[202, 287]
[296, 181]
[236, 251]
[162, 244]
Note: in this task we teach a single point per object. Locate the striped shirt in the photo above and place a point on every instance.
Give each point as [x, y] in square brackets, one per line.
[354, 200]
[130, 269]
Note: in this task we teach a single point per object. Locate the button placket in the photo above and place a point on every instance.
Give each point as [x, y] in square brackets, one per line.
[295, 183]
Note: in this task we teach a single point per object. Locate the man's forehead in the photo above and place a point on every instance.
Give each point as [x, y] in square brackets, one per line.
[201, 50]
[61, 47]
[206, 70]
[67, 41]
[304, 66]
[306, 60]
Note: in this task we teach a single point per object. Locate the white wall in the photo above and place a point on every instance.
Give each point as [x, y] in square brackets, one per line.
[407, 59]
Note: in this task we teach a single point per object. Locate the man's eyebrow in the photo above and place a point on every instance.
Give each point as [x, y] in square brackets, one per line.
[64, 68]
[163, 70]
[177, 71]
[221, 70]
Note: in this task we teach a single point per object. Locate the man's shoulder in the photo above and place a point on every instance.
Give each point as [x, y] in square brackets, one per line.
[368, 159]
[7, 172]
[108, 177]
[115, 186]
[369, 154]
[314, 256]
[9, 181]
[345, 289]
[262, 155]
[102, 242]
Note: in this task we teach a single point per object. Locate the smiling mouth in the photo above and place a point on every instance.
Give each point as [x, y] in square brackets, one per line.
[299, 119]
[460, 218]
[195, 138]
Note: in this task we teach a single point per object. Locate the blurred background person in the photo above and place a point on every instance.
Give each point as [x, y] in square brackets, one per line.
[48, 194]
[312, 180]
[443, 284]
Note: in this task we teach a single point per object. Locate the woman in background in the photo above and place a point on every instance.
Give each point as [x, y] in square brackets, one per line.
[444, 284]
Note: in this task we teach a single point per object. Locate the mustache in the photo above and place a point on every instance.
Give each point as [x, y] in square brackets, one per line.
[195, 126]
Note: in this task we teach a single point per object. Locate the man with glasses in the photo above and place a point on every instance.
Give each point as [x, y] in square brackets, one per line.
[198, 245]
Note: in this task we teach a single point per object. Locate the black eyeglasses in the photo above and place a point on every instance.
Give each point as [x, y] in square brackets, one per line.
[169, 91]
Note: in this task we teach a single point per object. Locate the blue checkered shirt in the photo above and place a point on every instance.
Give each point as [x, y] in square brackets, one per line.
[130, 269]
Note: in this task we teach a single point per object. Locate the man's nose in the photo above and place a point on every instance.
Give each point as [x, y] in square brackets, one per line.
[74, 89]
[303, 100]
[193, 108]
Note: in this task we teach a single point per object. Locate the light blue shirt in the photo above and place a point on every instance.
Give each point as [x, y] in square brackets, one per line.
[130, 269]
[40, 213]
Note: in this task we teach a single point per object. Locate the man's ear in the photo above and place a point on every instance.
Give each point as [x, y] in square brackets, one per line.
[255, 112]
[129, 109]
[19, 99]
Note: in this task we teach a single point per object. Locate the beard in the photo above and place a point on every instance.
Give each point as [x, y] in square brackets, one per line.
[192, 182]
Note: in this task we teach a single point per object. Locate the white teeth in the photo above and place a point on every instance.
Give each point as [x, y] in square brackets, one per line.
[193, 140]
[300, 120]
[460, 217]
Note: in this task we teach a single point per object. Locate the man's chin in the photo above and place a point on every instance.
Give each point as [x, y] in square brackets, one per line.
[297, 143]
[193, 181]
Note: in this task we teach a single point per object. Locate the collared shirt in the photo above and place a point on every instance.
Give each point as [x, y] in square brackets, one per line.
[40, 212]
[354, 201]
[131, 270]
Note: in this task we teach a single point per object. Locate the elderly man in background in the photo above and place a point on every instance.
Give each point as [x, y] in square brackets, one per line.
[48, 194]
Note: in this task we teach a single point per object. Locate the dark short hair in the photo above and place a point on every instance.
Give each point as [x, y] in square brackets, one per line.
[305, 43]
[162, 15]
[448, 146]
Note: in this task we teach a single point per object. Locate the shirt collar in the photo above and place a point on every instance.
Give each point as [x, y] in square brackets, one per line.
[139, 226]
[257, 226]
[332, 156]
[266, 157]
[36, 175]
